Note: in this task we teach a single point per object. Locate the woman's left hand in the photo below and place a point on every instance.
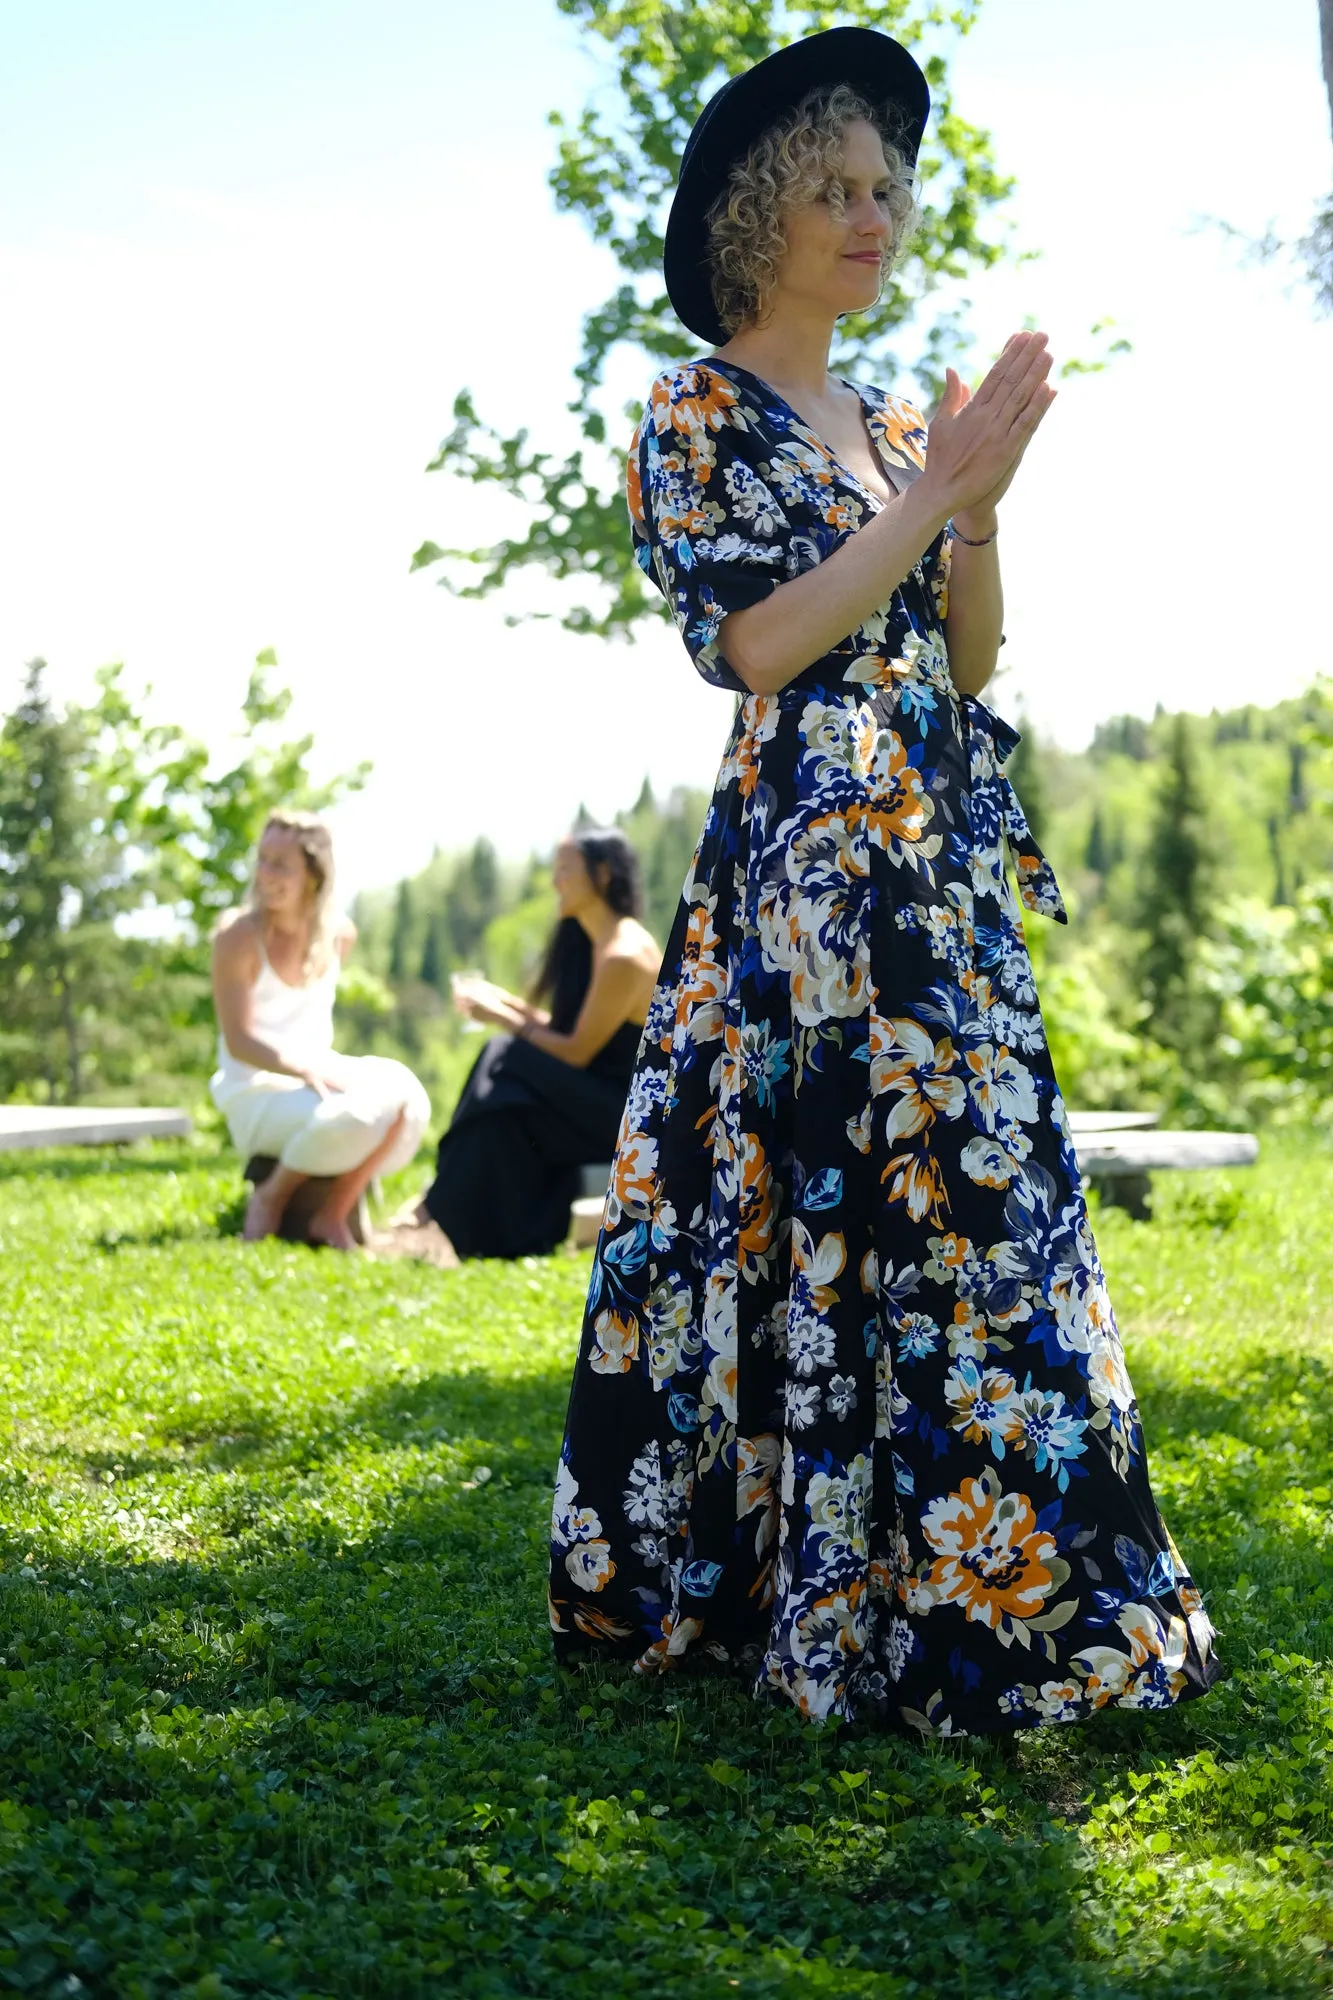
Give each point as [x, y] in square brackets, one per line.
[979, 521]
[479, 1000]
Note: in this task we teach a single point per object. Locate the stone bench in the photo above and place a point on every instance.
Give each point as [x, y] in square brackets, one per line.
[1117, 1152]
[585, 1214]
[1119, 1163]
[23, 1126]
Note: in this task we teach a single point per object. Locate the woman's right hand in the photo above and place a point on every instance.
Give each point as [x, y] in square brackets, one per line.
[975, 441]
[322, 1077]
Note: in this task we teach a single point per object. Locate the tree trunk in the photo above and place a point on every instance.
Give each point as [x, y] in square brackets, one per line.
[73, 1084]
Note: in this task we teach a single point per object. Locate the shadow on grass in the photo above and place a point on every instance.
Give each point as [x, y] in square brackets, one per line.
[1260, 1384]
[271, 1730]
[513, 1425]
[364, 1691]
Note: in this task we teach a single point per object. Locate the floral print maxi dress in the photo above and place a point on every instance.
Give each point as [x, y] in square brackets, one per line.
[850, 1413]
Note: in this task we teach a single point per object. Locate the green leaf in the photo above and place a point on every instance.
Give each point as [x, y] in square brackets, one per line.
[615, 169]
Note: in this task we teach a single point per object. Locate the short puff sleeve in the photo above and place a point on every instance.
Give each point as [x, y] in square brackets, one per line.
[707, 528]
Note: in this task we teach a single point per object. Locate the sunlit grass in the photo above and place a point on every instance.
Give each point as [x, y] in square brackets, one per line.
[278, 1713]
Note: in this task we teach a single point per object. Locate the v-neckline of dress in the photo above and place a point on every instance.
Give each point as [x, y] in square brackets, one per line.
[715, 361]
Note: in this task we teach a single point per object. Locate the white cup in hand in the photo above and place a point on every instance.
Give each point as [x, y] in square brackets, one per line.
[463, 988]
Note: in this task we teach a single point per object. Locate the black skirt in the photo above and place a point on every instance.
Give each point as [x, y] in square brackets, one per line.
[507, 1169]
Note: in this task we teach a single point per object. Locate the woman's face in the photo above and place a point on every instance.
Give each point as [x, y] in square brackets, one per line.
[833, 261]
[283, 883]
[574, 886]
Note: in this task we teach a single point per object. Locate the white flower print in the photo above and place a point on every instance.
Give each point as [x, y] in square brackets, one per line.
[753, 503]
[645, 1496]
[843, 1181]
[896, 1647]
[999, 1088]
[915, 1335]
[840, 1397]
[647, 1093]
[836, 1504]
[672, 1334]
[590, 1565]
[570, 1523]
[810, 1345]
[802, 1401]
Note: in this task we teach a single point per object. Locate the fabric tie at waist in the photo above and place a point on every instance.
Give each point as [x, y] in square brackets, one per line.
[992, 743]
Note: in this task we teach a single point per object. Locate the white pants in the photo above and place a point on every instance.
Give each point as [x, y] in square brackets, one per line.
[284, 1118]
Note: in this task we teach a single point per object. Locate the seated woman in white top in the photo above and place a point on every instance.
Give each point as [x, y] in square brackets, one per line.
[278, 1083]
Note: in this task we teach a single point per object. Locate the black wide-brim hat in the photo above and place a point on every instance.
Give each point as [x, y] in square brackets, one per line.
[875, 66]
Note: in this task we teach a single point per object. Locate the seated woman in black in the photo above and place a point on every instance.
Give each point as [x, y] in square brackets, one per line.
[545, 1098]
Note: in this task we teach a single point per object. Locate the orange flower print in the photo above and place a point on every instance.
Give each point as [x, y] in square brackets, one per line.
[899, 428]
[947, 1254]
[677, 1635]
[616, 1346]
[634, 484]
[757, 1210]
[907, 1060]
[691, 399]
[703, 980]
[968, 1336]
[590, 1565]
[917, 1180]
[694, 404]
[760, 717]
[757, 1461]
[596, 1625]
[897, 807]
[634, 1176]
[846, 1324]
[993, 1560]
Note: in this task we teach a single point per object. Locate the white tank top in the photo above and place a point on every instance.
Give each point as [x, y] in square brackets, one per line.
[296, 1020]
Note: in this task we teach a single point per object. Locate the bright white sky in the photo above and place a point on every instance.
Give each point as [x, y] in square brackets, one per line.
[250, 252]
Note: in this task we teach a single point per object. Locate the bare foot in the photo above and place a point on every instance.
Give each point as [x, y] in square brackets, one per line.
[263, 1213]
[425, 1242]
[331, 1231]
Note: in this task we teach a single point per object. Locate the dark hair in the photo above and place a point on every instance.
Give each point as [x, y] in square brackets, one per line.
[566, 969]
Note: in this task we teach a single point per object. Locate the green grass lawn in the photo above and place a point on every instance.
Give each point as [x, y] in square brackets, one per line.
[278, 1713]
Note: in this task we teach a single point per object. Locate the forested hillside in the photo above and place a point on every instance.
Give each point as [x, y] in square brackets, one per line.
[1195, 852]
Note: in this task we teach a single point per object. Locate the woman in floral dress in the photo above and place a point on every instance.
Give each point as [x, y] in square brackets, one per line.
[850, 1415]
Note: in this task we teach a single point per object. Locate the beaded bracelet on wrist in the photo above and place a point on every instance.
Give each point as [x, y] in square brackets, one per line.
[967, 540]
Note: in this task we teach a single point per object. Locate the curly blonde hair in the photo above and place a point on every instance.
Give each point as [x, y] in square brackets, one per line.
[316, 844]
[798, 158]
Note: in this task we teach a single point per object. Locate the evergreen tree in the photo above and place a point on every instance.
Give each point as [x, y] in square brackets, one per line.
[484, 868]
[64, 877]
[402, 935]
[40, 844]
[1097, 852]
[1281, 892]
[435, 955]
[1027, 775]
[472, 899]
[1297, 796]
[1176, 898]
[1122, 736]
[616, 167]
